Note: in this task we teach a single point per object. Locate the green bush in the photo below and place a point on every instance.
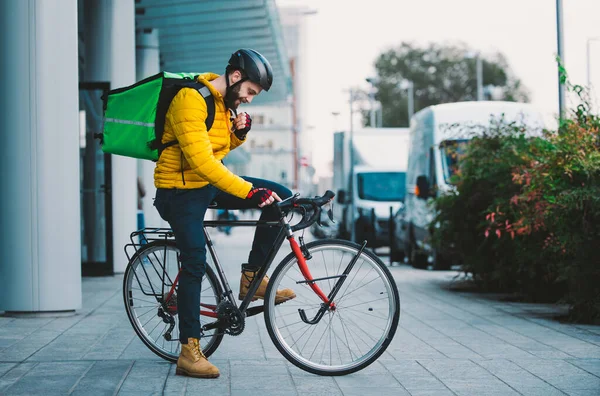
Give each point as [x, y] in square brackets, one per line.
[525, 215]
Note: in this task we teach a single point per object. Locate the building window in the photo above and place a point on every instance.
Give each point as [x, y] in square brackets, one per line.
[258, 119]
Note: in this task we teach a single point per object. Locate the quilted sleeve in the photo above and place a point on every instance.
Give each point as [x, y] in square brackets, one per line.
[188, 115]
[234, 141]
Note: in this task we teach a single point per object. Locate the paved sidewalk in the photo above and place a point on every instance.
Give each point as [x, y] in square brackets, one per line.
[448, 343]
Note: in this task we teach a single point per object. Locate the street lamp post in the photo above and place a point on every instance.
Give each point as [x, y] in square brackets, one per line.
[351, 185]
[373, 115]
[411, 100]
[410, 87]
[478, 71]
[479, 78]
[559, 36]
[589, 40]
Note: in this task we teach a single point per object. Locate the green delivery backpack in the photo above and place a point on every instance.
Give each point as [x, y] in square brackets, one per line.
[134, 116]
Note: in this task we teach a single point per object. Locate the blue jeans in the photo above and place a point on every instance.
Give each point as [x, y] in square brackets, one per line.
[185, 210]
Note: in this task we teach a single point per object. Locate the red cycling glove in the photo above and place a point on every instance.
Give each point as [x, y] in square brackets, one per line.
[259, 195]
[241, 133]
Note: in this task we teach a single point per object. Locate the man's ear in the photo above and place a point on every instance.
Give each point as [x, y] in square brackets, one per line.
[235, 76]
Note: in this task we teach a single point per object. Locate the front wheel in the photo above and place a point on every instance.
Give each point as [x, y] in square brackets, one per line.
[351, 336]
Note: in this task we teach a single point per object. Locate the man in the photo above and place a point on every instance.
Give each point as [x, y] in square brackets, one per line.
[190, 175]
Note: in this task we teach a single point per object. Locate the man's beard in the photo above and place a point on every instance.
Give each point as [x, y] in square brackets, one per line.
[232, 96]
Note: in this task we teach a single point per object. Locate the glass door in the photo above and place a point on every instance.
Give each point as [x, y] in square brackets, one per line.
[95, 183]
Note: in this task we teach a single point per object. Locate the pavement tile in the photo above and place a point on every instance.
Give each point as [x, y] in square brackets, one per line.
[582, 392]
[560, 374]
[360, 391]
[376, 381]
[111, 345]
[66, 347]
[273, 382]
[268, 392]
[473, 387]
[544, 391]
[14, 375]
[323, 393]
[258, 368]
[4, 367]
[513, 375]
[4, 320]
[592, 366]
[49, 378]
[422, 383]
[431, 392]
[175, 384]
[146, 377]
[103, 378]
[315, 384]
[7, 341]
[198, 386]
[451, 369]
[29, 345]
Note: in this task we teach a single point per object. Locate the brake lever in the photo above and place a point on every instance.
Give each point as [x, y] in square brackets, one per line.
[330, 212]
[319, 221]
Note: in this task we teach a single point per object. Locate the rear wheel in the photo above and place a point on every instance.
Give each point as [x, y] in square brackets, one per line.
[148, 279]
[348, 337]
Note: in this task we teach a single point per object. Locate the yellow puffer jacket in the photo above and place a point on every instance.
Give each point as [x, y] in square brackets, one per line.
[202, 150]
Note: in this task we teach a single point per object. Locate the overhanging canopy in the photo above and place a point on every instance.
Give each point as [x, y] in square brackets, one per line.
[200, 36]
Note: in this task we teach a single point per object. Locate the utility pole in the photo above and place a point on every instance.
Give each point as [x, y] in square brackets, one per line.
[479, 78]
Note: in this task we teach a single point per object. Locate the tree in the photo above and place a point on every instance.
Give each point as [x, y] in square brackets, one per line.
[440, 74]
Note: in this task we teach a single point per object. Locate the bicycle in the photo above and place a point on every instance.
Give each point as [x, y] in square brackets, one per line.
[355, 321]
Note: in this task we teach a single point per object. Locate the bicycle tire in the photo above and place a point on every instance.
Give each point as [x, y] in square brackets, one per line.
[293, 356]
[129, 274]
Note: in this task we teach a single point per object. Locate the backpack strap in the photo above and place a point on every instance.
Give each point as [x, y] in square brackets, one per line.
[210, 111]
[210, 106]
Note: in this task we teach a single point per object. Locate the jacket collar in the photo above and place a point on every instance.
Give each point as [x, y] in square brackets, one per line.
[206, 78]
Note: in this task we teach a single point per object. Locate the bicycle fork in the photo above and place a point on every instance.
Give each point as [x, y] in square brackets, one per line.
[328, 303]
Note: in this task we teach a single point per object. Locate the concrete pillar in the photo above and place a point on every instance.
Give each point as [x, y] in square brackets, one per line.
[147, 64]
[110, 56]
[40, 257]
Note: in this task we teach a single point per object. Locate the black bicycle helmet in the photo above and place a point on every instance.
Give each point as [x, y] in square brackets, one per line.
[254, 66]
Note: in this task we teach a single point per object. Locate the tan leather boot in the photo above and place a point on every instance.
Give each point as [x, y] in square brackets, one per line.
[193, 363]
[247, 276]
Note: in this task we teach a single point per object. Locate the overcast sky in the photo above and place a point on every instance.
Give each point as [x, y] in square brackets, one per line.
[344, 38]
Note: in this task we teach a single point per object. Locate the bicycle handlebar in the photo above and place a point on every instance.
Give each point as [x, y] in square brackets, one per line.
[315, 204]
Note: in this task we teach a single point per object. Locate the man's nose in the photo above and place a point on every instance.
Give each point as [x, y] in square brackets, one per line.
[249, 99]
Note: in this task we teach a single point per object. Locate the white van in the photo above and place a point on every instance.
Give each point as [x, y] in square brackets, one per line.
[377, 186]
[430, 164]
